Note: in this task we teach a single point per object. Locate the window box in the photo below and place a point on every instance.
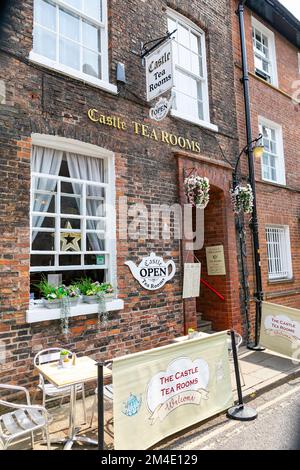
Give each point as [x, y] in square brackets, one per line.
[38, 314]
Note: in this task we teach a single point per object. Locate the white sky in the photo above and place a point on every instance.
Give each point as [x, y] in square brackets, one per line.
[293, 6]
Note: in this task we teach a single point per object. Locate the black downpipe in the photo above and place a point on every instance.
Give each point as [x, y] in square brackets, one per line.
[254, 223]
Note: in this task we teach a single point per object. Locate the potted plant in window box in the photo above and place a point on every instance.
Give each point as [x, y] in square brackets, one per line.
[73, 293]
[107, 290]
[53, 296]
[92, 291]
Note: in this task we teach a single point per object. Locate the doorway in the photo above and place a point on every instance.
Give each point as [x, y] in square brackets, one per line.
[213, 304]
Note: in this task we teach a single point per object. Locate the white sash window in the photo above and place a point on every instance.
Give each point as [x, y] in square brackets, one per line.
[264, 52]
[71, 36]
[190, 71]
[72, 209]
[273, 164]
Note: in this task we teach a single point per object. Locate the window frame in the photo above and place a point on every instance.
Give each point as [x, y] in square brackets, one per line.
[55, 65]
[262, 121]
[272, 48]
[285, 251]
[177, 17]
[89, 150]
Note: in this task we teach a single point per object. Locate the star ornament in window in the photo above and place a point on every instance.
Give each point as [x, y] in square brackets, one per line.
[70, 240]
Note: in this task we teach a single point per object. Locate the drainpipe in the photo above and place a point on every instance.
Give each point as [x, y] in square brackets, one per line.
[258, 295]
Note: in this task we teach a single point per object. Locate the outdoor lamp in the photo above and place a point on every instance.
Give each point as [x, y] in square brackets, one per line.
[258, 150]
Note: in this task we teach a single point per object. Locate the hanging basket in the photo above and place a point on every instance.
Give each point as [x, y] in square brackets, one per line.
[197, 191]
[242, 199]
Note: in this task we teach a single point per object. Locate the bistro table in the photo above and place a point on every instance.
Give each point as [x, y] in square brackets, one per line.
[84, 370]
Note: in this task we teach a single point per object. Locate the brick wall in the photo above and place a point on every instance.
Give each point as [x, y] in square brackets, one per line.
[39, 100]
[276, 204]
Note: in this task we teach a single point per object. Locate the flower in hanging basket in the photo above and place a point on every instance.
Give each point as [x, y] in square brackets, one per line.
[242, 199]
[197, 191]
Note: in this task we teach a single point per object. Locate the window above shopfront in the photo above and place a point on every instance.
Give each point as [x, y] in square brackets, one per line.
[273, 166]
[279, 252]
[264, 52]
[71, 36]
[191, 101]
[72, 212]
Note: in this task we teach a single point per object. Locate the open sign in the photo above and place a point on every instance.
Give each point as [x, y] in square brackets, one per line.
[152, 272]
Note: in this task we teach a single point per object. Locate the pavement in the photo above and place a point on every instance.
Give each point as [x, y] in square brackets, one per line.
[277, 426]
[260, 373]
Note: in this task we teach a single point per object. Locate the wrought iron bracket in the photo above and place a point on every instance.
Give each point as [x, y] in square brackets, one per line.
[158, 41]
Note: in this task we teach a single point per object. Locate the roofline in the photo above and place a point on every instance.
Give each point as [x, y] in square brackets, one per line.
[270, 9]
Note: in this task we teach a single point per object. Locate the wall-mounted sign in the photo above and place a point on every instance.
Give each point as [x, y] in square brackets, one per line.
[143, 130]
[191, 280]
[215, 261]
[280, 329]
[152, 272]
[165, 390]
[161, 108]
[159, 71]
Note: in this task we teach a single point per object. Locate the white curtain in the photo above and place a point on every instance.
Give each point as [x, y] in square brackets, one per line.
[47, 161]
[90, 169]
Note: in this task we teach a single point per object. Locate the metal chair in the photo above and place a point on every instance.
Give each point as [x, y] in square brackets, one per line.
[238, 342]
[24, 420]
[48, 390]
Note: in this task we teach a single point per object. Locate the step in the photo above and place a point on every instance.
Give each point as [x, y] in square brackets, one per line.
[199, 315]
[205, 326]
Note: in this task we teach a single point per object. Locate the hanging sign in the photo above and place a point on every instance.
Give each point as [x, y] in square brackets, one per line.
[159, 71]
[280, 329]
[161, 109]
[191, 280]
[165, 390]
[152, 272]
[215, 260]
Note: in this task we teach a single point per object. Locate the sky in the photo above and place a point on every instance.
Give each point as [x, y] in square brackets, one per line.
[293, 6]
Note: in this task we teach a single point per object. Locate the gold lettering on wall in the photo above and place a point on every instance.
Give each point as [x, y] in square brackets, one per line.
[144, 131]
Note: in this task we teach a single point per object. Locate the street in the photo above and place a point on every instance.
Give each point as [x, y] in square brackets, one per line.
[277, 426]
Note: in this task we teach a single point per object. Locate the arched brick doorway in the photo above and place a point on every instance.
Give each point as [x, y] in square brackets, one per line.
[209, 305]
[219, 226]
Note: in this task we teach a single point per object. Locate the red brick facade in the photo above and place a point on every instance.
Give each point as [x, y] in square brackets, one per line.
[277, 204]
[42, 101]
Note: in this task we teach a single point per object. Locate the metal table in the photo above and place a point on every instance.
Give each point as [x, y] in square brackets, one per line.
[85, 370]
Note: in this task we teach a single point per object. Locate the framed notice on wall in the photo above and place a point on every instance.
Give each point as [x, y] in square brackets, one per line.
[215, 261]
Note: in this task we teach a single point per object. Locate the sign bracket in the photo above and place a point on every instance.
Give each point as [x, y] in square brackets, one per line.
[145, 51]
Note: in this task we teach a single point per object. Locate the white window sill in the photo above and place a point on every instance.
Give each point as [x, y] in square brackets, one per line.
[39, 314]
[103, 85]
[276, 183]
[197, 122]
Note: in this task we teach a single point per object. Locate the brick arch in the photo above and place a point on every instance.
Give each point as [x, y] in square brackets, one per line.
[228, 314]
